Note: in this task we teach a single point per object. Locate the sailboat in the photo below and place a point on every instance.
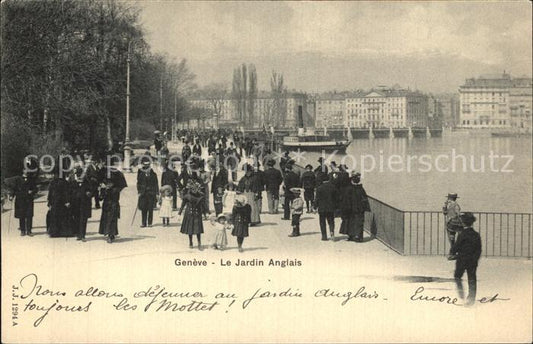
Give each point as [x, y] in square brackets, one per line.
[306, 141]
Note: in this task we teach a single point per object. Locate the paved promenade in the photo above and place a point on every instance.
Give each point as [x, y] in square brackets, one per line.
[143, 256]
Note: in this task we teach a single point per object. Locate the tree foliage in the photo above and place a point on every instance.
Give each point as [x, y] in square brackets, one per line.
[244, 92]
[279, 104]
[64, 68]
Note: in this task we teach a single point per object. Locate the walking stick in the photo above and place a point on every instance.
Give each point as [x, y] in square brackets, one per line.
[133, 218]
[10, 216]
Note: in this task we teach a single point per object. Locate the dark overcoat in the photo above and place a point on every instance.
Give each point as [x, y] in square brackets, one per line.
[241, 216]
[81, 193]
[273, 179]
[111, 205]
[148, 188]
[24, 189]
[326, 198]
[58, 217]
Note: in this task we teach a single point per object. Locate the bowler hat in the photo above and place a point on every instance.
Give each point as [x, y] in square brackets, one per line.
[452, 195]
[467, 218]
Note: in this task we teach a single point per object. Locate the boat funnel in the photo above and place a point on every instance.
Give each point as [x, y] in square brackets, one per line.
[301, 131]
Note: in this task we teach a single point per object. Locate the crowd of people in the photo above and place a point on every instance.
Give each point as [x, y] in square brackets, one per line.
[326, 189]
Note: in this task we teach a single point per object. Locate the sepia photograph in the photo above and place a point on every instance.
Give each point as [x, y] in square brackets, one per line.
[266, 171]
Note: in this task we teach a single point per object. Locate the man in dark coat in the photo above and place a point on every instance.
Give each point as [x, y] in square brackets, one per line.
[326, 203]
[158, 143]
[220, 178]
[273, 180]
[284, 160]
[185, 152]
[148, 189]
[232, 160]
[290, 180]
[197, 149]
[92, 175]
[309, 184]
[170, 177]
[59, 222]
[466, 251]
[80, 189]
[321, 172]
[23, 188]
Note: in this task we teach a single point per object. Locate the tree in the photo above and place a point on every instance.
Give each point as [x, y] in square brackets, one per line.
[252, 93]
[244, 92]
[279, 94]
[64, 72]
[216, 95]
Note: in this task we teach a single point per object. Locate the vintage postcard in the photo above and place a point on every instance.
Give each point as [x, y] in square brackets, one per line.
[257, 171]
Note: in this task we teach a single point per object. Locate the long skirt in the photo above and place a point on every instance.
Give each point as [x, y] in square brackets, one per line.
[109, 219]
[192, 222]
[353, 225]
[254, 203]
[59, 222]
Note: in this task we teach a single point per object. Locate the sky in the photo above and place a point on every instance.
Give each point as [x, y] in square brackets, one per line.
[321, 46]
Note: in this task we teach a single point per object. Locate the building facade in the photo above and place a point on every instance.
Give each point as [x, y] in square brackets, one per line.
[387, 108]
[330, 110]
[520, 102]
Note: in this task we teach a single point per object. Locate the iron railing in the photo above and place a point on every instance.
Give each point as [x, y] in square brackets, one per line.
[424, 232]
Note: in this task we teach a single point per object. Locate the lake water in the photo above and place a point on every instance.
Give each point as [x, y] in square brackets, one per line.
[453, 163]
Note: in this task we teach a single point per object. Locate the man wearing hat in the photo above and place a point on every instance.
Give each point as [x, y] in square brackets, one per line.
[186, 152]
[321, 172]
[81, 192]
[290, 180]
[284, 160]
[147, 188]
[451, 211]
[309, 184]
[273, 180]
[23, 189]
[466, 251]
[93, 176]
[326, 203]
[158, 141]
[170, 177]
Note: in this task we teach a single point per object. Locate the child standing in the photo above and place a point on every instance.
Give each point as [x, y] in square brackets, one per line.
[221, 238]
[242, 215]
[297, 207]
[228, 200]
[218, 200]
[165, 202]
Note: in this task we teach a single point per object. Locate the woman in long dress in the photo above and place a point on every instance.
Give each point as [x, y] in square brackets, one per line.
[194, 207]
[247, 187]
[353, 214]
[114, 183]
[58, 219]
